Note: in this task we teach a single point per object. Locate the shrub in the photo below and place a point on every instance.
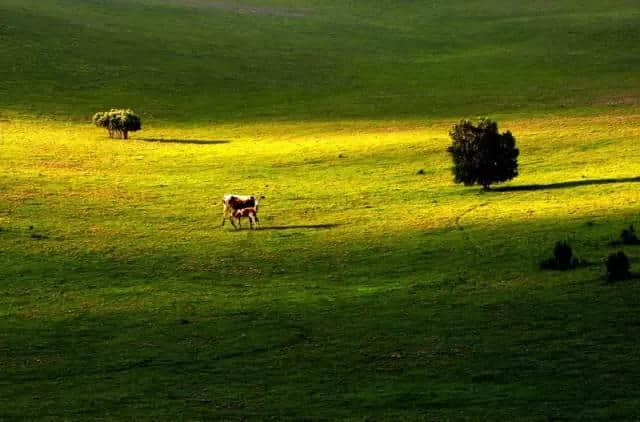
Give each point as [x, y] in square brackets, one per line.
[562, 259]
[118, 122]
[481, 155]
[618, 267]
[629, 237]
[563, 255]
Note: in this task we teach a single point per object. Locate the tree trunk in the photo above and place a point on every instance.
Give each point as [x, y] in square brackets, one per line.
[125, 134]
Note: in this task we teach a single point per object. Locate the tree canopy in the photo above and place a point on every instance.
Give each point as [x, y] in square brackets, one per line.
[118, 122]
[481, 155]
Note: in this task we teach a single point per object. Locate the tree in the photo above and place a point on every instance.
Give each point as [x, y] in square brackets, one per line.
[481, 155]
[118, 122]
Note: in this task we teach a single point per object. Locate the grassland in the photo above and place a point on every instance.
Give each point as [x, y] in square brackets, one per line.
[370, 290]
[224, 61]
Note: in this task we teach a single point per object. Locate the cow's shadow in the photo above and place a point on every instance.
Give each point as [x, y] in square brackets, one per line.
[185, 141]
[299, 227]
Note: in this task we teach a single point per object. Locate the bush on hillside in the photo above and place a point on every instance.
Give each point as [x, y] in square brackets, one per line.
[562, 259]
[629, 237]
[563, 255]
[481, 155]
[618, 267]
[118, 122]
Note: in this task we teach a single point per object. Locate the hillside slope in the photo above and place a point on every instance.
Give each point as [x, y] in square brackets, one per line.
[371, 290]
[221, 60]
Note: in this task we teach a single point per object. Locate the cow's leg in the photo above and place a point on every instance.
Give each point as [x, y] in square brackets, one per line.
[251, 222]
[225, 212]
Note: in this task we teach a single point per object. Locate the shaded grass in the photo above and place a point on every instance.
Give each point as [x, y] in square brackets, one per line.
[184, 61]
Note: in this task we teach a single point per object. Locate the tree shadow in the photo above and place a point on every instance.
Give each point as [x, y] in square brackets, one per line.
[301, 226]
[562, 185]
[184, 141]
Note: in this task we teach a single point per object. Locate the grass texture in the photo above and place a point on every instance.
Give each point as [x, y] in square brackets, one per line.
[369, 291]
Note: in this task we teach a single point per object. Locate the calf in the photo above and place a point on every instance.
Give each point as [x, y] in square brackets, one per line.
[250, 213]
[232, 203]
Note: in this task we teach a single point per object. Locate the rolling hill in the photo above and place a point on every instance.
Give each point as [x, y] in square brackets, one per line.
[219, 60]
[371, 290]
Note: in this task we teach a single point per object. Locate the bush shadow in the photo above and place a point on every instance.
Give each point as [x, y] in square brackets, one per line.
[185, 141]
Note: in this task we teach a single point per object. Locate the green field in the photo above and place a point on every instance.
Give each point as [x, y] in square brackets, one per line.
[369, 291]
[217, 61]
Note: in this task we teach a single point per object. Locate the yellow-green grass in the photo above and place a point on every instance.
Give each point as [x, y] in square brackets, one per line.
[369, 290]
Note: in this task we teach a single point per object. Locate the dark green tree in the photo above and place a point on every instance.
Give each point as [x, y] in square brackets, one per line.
[481, 155]
[118, 122]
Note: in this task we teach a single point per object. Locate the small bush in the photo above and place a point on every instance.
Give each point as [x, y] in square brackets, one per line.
[629, 237]
[563, 255]
[562, 259]
[118, 122]
[618, 267]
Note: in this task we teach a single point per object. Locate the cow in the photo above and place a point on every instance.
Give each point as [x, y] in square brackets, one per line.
[232, 203]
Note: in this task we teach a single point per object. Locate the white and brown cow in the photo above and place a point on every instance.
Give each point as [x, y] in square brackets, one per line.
[232, 203]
